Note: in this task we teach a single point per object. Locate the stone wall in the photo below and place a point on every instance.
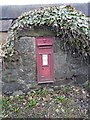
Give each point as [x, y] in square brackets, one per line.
[70, 67]
[19, 72]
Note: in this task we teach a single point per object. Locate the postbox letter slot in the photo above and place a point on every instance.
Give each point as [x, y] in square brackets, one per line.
[43, 47]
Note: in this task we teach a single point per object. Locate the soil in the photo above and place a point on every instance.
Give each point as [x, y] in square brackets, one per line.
[65, 102]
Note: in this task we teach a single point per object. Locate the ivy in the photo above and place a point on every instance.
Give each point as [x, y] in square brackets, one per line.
[71, 26]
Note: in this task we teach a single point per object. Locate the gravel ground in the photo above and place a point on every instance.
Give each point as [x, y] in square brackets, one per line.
[65, 102]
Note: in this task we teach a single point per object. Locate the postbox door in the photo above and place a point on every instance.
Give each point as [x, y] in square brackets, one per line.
[45, 63]
[45, 70]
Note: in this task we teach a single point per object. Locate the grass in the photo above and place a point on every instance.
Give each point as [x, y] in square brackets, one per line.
[64, 100]
[32, 103]
[15, 108]
[67, 89]
[41, 93]
[5, 102]
[60, 98]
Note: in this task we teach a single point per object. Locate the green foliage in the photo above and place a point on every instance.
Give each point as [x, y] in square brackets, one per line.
[60, 98]
[41, 93]
[15, 108]
[71, 26]
[32, 103]
[64, 100]
[5, 102]
[67, 89]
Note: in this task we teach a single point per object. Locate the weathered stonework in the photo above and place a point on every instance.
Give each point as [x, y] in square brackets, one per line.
[19, 71]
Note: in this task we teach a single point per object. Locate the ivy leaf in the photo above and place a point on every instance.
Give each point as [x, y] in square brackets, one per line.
[64, 19]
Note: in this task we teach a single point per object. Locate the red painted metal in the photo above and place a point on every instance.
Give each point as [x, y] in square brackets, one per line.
[45, 59]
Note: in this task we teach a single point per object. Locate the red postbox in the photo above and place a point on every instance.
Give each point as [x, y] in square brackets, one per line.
[45, 59]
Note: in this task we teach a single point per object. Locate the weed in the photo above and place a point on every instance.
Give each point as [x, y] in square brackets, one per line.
[67, 89]
[60, 98]
[64, 100]
[15, 109]
[38, 92]
[5, 102]
[41, 93]
[32, 103]
[88, 85]
[21, 97]
[17, 98]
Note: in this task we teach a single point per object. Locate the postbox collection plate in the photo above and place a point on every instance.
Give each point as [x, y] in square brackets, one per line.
[45, 59]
